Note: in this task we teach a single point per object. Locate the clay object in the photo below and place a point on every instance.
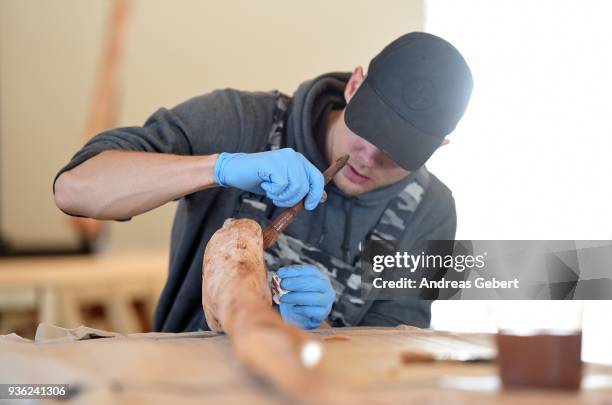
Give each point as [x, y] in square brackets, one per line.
[237, 300]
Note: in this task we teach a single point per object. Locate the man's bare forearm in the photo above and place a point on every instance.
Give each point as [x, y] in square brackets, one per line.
[122, 184]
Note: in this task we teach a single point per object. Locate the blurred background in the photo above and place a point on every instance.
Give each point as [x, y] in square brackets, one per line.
[530, 160]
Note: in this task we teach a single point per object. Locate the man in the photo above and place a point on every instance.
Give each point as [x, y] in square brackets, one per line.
[267, 155]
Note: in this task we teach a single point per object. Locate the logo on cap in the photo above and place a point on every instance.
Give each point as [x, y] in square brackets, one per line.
[418, 94]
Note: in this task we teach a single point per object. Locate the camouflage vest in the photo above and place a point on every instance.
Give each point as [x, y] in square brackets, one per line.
[350, 306]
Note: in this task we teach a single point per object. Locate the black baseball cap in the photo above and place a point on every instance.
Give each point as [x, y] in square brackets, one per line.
[415, 92]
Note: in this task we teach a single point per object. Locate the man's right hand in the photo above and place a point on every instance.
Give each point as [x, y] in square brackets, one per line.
[285, 176]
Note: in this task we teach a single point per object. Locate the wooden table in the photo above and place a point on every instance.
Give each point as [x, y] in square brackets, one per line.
[200, 368]
[57, 286]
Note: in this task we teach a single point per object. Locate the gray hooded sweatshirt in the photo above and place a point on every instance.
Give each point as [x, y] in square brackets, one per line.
[235, 121]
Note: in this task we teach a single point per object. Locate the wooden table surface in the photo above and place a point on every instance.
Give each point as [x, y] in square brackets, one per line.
[200, 368]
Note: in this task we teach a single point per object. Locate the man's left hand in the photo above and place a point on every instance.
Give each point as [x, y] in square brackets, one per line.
[310, 295]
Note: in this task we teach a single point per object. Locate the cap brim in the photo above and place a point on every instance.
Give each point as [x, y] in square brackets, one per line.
[369, 117]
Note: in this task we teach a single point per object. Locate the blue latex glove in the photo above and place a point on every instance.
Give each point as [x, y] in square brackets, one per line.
[310, 295]
[284, 176]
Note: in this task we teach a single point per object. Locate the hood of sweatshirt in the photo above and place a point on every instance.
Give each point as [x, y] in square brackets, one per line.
[331, 222]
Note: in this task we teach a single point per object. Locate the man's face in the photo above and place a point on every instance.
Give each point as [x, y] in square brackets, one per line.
[368, 168]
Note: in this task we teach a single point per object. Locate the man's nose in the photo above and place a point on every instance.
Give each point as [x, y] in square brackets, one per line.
[370, 155]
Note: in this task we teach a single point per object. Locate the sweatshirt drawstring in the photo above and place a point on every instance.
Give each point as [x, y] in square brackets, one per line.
[348, 214]
[324, 226]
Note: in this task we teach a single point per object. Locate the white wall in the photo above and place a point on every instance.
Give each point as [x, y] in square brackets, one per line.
[532, 157]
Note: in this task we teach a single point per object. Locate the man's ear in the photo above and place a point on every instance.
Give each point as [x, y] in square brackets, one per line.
[445, 142]
[353, 83]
